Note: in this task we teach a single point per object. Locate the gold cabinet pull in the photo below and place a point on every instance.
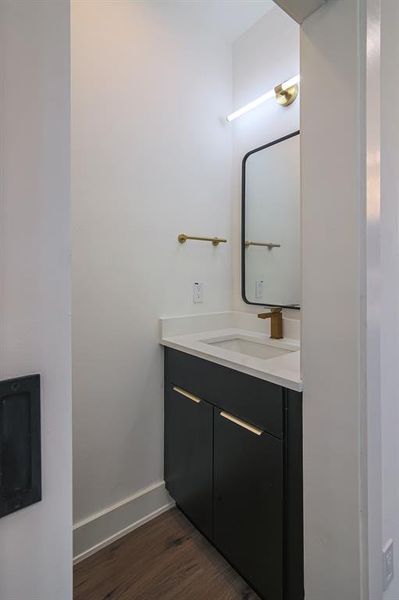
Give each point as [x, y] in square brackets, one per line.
[186, 394]
[240, 423]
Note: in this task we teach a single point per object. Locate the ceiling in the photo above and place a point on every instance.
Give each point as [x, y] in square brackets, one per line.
[227, 18]
[300, 9]
[233, 17]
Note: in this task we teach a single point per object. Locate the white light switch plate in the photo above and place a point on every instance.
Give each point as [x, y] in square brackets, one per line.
[198, 292]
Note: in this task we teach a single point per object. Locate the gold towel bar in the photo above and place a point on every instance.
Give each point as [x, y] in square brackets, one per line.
[267, 244]
[182, 237]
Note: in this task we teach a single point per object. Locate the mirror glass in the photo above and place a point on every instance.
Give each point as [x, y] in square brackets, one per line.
[271, 224]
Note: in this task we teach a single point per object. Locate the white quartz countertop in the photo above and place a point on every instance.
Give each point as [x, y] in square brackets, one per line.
[185, 334]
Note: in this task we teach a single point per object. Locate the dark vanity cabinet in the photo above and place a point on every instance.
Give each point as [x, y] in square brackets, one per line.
[233, 464]
[248, 503]
[189, 452]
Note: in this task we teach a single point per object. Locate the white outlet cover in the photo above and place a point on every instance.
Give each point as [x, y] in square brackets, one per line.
[259, 289]
[198, 292]
[388, 561]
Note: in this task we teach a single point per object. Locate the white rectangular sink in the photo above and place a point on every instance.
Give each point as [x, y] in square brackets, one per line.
[250, 348]
[240, 342]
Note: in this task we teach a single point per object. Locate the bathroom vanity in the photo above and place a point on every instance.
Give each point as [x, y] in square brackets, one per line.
[233, 446]
[233, 395]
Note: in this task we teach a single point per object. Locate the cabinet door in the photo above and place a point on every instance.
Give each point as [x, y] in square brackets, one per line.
[248, 503]
[189, 455]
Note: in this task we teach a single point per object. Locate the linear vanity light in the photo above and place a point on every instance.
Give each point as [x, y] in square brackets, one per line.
[182, 237]
[285, 94]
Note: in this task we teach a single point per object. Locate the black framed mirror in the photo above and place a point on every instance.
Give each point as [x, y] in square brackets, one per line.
[270, 237]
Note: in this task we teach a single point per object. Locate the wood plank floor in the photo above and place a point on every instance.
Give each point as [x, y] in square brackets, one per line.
[166, 559]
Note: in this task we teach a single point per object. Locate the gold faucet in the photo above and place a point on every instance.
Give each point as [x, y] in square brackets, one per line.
[276, 322]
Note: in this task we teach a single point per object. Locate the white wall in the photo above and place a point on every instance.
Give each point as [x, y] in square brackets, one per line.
[151, 157]
[265, 55]
[371, 478]
[36, 542]
[390, 279]
[333, 48]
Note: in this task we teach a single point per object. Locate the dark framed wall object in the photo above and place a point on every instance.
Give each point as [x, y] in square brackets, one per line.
[20, 443]
[244, 219]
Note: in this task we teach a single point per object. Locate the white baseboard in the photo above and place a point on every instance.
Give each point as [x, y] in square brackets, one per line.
[107, 526]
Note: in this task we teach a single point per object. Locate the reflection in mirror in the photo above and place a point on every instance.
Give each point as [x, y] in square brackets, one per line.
[271, 224]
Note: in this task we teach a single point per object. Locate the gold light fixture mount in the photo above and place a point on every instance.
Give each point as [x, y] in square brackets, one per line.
[285, 97]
